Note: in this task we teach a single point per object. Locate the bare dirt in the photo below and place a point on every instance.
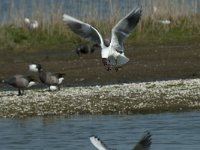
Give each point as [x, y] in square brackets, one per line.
[147, 63]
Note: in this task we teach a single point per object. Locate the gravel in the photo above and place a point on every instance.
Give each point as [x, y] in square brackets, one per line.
[127, 98]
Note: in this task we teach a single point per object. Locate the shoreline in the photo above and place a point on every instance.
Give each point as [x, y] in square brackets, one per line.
[126, 98]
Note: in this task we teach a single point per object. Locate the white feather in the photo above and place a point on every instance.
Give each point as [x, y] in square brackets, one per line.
[60, 80]
[33, 68]
[31, 83]
[97, 143]
[53, 87]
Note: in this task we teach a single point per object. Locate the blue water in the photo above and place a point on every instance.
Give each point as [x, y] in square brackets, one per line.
[15, 10]
[170, 131]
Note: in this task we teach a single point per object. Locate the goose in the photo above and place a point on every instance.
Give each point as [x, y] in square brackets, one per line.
[52, 80]
[85, 49]
[143, 144]
[21, 82]
[113, 55]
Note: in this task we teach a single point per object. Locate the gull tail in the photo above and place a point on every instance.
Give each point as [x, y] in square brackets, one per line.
[122, 60]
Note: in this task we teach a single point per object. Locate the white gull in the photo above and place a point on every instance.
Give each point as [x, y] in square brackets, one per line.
[112, 55]
[143, 144]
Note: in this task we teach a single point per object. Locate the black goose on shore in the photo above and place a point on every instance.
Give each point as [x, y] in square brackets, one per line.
[21, 82]
[52, 80]
[143, 144]
[85, 49]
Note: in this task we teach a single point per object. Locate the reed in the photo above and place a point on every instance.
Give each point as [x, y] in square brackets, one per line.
[52, 33]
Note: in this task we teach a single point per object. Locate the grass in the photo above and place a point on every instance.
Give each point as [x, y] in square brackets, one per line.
[53, 34]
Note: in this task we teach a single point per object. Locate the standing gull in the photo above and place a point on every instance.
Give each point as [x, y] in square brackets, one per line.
[112, 55]
[143, 144]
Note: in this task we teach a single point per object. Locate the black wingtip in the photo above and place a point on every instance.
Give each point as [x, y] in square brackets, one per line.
[146, 140]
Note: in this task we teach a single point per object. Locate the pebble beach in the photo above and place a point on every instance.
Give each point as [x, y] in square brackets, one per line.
[125, 98]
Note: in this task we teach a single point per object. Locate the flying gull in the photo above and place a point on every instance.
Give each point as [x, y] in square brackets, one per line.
[143, 144]
[112, 55]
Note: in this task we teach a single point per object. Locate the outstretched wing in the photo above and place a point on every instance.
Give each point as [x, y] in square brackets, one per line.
[122, 29]
[83, 29]
[98, 143]
[144, 143]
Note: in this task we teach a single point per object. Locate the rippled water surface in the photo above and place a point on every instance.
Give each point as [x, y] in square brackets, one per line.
[174, 131]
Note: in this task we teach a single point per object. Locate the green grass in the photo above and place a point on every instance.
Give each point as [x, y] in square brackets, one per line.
[183, 30]
[53, 34]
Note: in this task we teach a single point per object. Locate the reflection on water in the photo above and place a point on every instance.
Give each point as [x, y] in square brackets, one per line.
[169, 131]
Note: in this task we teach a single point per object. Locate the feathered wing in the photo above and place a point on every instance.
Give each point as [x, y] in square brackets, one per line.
[84, 30]
[122, 29]
[144, 143]
[98, 143]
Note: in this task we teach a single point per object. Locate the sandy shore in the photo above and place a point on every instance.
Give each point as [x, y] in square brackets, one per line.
[129, 98]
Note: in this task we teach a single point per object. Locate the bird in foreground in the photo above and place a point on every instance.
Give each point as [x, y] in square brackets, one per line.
[143, 144]
[21, 82]
[31, 24]
[112, 55]
[52, 80]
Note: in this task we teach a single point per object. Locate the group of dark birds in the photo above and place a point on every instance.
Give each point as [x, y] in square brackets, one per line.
[22, 82]
[112, 52]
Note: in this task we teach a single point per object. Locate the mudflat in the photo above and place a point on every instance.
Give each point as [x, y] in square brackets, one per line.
[147, 63]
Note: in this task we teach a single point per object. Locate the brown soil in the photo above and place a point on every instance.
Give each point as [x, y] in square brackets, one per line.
[147, 63]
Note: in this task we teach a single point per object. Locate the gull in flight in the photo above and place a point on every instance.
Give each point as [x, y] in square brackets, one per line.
[112, 55]
[143, 144]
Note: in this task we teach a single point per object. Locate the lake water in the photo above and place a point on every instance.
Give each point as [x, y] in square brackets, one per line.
[170, 131]
[14, 11]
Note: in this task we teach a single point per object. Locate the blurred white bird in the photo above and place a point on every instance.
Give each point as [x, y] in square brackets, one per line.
[112, 55]
[162, 21]
[31, 24]
[165, 22]
[143, 144]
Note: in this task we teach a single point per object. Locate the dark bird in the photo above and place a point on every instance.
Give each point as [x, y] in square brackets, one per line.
[52, 80]
[143, 144]
[21, 82]
[85, 49]
[112, 55]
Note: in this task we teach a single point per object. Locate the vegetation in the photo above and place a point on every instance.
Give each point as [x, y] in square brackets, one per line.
[53, 34]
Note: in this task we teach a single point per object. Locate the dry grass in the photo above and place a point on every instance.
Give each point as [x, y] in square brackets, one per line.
[52, 33]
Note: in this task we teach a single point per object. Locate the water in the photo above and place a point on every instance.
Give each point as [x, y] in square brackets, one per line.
[169, 131]
[13, 11]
